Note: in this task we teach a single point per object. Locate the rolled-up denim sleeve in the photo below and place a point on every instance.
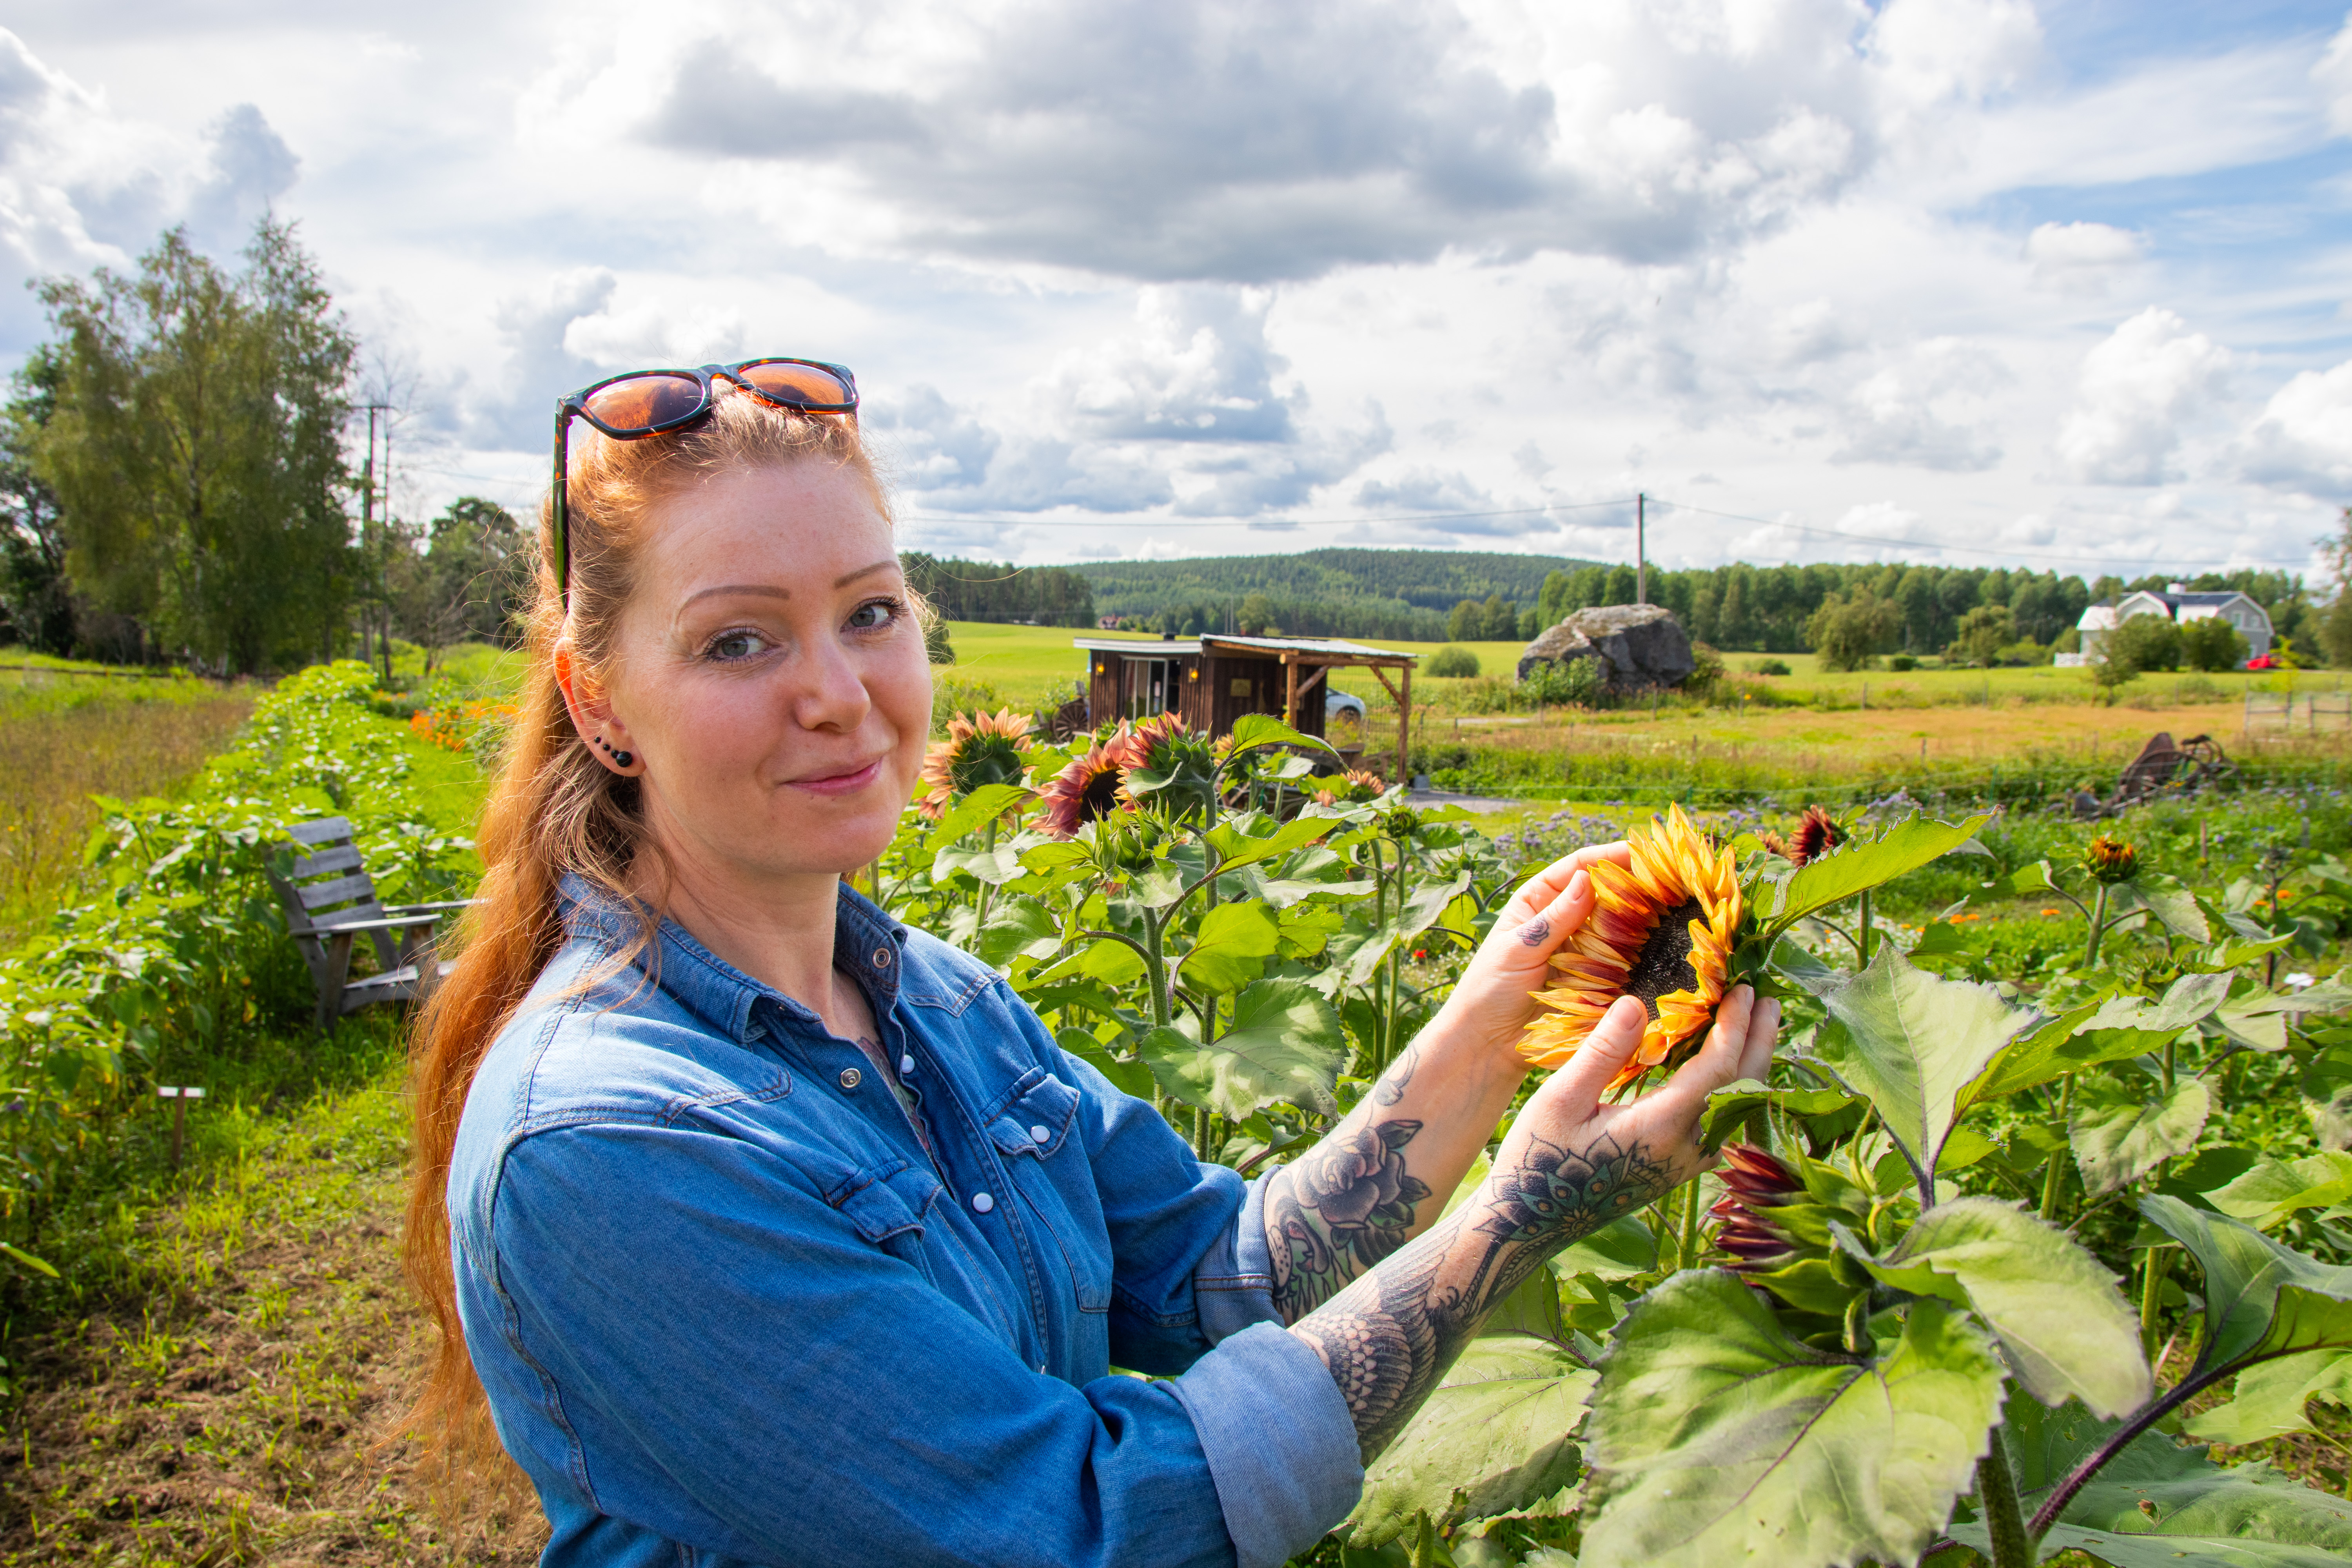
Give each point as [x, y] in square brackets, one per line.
[732, 1365]
[1278, 1438]
[1234, 1284]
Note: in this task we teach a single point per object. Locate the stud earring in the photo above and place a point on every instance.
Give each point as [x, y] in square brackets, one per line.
[620, 759]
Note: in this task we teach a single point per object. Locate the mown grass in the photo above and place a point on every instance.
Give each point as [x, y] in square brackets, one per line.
[235, 1398]
[66, 737]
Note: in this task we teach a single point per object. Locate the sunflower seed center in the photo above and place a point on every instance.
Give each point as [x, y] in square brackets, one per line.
[1664, 964]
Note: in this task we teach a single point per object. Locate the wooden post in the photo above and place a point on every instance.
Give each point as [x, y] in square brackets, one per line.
[1404, 725]
[1290, 690]
[179, 1098]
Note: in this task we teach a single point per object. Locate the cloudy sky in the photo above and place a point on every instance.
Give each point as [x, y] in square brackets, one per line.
[2059, 285]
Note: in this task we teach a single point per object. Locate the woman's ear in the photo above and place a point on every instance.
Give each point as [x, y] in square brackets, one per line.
[593, 719]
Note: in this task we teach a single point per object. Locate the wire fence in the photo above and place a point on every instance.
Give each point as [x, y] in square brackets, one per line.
[2311, 713]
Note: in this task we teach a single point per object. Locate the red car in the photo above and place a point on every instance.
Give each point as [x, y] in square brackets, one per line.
[2265, 662]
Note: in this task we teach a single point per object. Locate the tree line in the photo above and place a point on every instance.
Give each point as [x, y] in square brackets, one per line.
[176, 483]
[1983, 613]
[962, 590]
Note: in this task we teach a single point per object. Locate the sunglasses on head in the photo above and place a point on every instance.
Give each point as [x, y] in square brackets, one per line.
[646, 402]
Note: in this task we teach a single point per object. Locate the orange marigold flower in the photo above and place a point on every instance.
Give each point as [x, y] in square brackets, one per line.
[1662, 929]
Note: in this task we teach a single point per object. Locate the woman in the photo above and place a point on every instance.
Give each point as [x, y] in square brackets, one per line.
[766, 1230]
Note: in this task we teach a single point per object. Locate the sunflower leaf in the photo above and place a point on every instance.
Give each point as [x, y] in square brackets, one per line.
[2261, 1298]
[1285, 1045]
[2121, 1131]
[966, 816]
[2270, 1397]
[1231, 949]
[1860, 864]
[1911, 1042]
[1251, 730]
[1715, 1437]
[1235, 848]
[2272, 1191]
[1494, 1435]
[2053, 1305]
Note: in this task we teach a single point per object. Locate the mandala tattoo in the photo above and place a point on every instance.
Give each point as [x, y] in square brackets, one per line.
[1389, 1337]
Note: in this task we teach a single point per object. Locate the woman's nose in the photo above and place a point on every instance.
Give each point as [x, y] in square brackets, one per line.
[831, 692]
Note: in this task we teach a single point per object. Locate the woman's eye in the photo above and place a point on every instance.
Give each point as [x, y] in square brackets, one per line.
[728, 646]
[873, 615]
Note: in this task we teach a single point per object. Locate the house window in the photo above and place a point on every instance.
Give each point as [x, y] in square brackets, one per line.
[1240, 686]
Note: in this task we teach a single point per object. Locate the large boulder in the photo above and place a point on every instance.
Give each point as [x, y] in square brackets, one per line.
[1638, 646]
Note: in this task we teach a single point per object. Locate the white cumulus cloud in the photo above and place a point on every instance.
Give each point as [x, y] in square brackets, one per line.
[2303, 441]
[2137, 391]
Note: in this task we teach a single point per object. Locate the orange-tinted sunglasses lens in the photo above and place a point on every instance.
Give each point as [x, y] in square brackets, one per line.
[801, 385]
[645, 402]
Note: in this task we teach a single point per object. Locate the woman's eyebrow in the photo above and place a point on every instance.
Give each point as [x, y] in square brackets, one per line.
[883, 564]
[760, 590]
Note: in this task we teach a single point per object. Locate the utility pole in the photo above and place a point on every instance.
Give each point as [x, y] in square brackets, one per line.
[367, 543]
[1641, 548]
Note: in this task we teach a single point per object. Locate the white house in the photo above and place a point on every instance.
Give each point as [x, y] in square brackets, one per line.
[2253, 622]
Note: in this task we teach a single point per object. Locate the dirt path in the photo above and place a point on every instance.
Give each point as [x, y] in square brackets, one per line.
[239, 1412]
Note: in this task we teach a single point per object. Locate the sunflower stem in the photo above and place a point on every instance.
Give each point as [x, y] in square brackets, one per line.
[986, 889]
[2004, 1518]
[2098, 922]
[1862, 943]
[2053, 1178]
[1689, 1251]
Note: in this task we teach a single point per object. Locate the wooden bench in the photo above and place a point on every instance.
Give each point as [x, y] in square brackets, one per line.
[330, 902]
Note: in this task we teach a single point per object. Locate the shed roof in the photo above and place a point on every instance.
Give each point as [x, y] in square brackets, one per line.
[1329, 648]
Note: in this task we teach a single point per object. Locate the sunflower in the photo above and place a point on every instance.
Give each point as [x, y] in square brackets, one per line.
[981, 749]
[1162, 761]
[1817, 833]
[2111, 859]
[1662, 929]
[1085, 790]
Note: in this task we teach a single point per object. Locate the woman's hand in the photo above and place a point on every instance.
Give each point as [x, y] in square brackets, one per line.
[1568, 1166]
[1571, 1164]
[1491, 1003]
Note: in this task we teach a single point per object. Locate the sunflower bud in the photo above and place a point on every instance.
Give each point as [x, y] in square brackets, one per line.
[2111, 859]
[1776, 1232]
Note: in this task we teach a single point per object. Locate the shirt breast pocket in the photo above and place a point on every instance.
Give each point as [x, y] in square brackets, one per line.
[1035, 1132]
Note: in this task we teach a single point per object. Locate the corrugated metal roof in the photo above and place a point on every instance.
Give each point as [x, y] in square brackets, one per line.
[1160, 647]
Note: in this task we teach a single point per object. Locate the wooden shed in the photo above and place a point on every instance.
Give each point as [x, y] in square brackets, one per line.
[1210, 681]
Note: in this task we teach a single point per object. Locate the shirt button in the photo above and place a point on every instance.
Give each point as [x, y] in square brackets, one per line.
[881, 958]
[981, 1203]
[1039, 1135]
[906, 1064]
[851, 1078]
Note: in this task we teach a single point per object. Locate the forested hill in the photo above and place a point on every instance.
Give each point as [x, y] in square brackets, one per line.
[1326, 593]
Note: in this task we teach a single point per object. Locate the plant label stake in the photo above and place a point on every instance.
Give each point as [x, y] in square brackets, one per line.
[180, 1096]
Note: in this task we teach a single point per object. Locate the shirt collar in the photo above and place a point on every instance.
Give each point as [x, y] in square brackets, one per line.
[868, 945]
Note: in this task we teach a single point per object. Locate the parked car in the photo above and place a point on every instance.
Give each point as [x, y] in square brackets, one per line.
[1337, 702]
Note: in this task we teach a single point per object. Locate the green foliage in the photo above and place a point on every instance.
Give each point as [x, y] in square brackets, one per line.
[182, 961]
[1848, 630]
[195, 449]
[962, 590]
[2211, 643]
[1453, 663]
[2144, 644]
[1983, 632]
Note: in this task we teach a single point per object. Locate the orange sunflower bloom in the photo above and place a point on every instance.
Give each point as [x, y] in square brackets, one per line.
[980, 748]
[1085, 790]
[1661, 928]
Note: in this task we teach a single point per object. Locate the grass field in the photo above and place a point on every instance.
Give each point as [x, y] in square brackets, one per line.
[67, 736]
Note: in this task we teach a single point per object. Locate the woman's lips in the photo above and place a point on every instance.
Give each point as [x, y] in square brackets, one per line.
[841, 783]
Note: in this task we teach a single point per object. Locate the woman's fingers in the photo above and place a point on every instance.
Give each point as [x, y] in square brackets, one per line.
[1726, 1052]
[1546, 885]
[1543, 933]
[1763, 1037]
[1575, 1091]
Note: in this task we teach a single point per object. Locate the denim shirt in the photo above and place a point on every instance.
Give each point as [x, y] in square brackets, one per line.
[728, 1309]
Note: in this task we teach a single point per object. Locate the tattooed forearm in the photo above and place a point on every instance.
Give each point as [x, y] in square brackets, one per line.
[1389, 1337]
[1345, 1204]
[1338, 1210]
